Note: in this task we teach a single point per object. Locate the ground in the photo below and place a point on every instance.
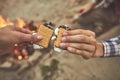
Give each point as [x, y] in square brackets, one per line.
[69, 66]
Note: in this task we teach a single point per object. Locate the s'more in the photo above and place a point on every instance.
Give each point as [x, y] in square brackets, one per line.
[46, 31]
[59, 31]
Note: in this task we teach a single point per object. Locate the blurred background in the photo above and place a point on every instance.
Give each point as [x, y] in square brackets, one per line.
[64, 66]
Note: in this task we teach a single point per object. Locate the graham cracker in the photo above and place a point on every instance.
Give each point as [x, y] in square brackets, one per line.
[46, 34]
[59, 37]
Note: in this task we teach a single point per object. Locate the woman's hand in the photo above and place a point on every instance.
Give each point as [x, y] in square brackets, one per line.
[11, 35]
[86, 8]
[82, 42]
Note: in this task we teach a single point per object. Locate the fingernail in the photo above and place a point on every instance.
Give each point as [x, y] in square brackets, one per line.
[63, 39]
[65, 34]
[39, 37]
[62, 45]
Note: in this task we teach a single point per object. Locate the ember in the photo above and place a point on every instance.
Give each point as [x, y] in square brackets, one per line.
[24, 49]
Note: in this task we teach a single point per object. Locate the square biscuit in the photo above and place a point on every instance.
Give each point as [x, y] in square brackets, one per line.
[46, 34]
[59, 37]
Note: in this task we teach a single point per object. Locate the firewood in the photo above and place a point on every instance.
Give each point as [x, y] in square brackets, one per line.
[34, 57]
[6, 65]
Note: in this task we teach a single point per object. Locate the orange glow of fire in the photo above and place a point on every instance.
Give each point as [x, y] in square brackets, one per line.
[24, 52]
[20, 57]
[21, 23]
[26, 57]
[16, 52]
[3, 23]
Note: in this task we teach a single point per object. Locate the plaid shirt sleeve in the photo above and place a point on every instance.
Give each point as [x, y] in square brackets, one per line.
[112, 47]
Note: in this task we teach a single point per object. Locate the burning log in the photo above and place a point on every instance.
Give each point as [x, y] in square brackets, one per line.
[31, 26]
[6, 65]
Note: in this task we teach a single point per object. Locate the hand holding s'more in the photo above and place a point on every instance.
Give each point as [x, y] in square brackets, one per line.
[59, 34]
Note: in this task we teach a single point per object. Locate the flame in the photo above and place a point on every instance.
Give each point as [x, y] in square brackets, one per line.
[21, 23]
[4, 22]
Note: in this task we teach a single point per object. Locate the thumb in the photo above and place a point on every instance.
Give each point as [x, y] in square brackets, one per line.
[29, 37]
[81, 12]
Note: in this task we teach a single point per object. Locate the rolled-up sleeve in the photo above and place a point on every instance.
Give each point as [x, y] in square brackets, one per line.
[111, 47]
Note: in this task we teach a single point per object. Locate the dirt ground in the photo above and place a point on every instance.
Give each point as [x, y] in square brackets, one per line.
[70, 67]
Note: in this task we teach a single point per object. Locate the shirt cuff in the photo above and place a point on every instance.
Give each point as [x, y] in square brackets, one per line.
[100, 3]
[111, 48]
[96, 1]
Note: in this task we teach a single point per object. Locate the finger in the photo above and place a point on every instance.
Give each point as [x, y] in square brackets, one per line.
[87, 55]
[79, 32]
[29, 37]
[80, 46]
[74, 51]
[9, 27]
[81, 11]
[14, 28]
[83, 53]
[78, 39]
[25, 31]
[63, 45]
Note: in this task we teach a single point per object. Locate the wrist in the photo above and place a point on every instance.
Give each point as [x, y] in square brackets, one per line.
[99, 50]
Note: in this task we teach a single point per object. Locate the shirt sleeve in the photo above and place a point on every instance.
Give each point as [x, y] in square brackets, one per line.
[112, 47]
[103, 3]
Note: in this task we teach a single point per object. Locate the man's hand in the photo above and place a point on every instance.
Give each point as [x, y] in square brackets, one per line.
[82, 42]
[11, 35]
